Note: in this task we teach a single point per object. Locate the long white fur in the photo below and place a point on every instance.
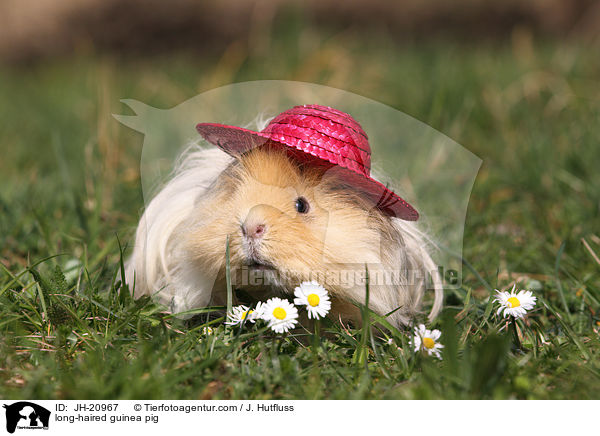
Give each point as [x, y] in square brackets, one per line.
[159, 267]
[155, 266]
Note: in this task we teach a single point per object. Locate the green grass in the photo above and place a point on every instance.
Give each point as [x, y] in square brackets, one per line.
[69, 185]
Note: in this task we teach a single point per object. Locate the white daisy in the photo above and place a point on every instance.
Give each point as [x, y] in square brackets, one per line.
[515, 304]
[280, 314]
[207, 331]
[258, 311]
[314, 297]
[427, 340]
[240, 313]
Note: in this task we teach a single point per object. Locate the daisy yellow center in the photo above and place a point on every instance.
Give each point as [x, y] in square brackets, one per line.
[279, 313]
[428, 343]
[246, 313]
[313, 300]
[513, 302]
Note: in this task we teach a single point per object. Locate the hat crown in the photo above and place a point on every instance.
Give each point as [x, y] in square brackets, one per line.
[328, 131]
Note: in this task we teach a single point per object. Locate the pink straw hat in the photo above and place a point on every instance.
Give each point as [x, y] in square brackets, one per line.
[325, 133]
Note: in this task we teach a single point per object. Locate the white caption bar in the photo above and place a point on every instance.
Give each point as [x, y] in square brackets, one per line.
[305, 418]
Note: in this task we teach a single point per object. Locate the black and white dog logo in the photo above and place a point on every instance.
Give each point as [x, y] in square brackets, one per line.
[26, 415]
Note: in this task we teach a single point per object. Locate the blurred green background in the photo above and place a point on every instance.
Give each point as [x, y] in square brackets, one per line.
[517, 83]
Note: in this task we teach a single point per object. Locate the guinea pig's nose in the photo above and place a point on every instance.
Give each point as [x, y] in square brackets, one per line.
[253, 231]
[254, 226]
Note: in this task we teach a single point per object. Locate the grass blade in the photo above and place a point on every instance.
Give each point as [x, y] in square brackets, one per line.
[558, 282]
[228, 276]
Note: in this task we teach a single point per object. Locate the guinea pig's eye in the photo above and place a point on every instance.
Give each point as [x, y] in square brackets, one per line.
[302, 205]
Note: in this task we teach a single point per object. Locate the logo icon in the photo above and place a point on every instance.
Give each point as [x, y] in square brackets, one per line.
[26, 415]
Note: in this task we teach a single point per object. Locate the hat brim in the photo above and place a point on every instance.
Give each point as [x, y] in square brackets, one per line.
[237, 140]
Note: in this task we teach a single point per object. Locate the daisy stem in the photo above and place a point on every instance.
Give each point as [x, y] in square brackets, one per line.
[316, 372]
[275, 345]
[515, 333]
[317, 335]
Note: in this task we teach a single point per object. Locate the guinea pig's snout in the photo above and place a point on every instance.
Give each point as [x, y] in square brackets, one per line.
[254, 226]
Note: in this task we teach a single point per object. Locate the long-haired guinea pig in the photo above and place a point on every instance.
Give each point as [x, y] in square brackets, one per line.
[286, 220]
